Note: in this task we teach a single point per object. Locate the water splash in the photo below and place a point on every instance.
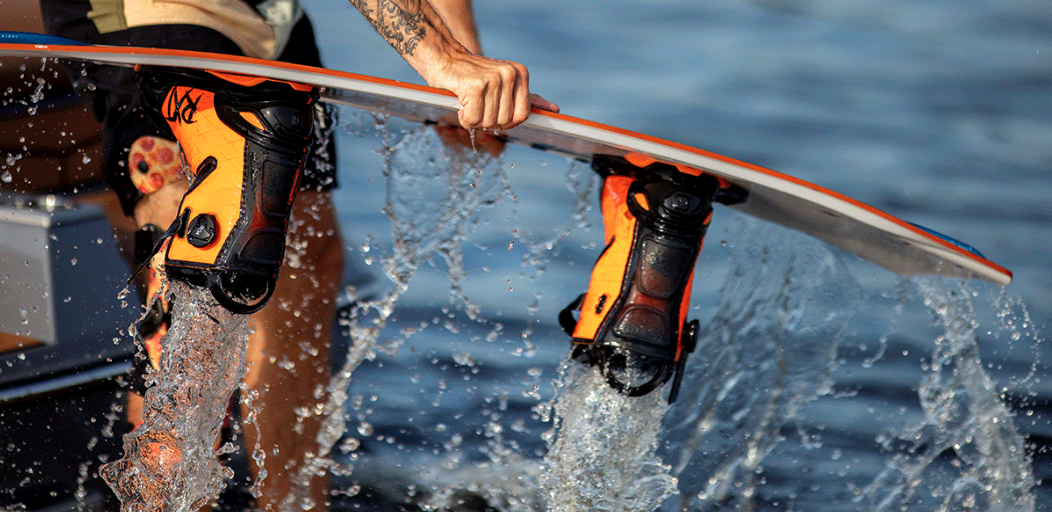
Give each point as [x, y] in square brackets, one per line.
[771, 350]
[434, 195]
[604, 457]
[169, 463]
[507, 485]
[768, 350]
[582, 183]
[965, 454]
[365, 330]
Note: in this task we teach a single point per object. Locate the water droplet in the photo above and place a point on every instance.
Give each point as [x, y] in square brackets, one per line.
[24, 315]
[464, 359]
[365, 428]
[349, 445]
[73, 261]
[6, 177]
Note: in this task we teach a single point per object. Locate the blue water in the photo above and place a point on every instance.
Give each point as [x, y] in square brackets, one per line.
[820, 382]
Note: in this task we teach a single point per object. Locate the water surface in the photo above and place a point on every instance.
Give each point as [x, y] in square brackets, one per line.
[821, 383]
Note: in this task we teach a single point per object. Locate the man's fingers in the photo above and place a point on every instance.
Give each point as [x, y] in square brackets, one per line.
[469, 116]
[519, 102]
[500, 97]
[540, 103]
[509, 86]
[500, 92]
[472, 94]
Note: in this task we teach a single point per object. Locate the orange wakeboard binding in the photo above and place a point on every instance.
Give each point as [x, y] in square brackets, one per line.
[245, 140]
[633, 319]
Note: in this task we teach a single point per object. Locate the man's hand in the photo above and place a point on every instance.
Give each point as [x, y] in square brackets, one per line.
[494, 94]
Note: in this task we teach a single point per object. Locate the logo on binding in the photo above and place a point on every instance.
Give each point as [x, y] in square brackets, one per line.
[202, 230]
[182, 107]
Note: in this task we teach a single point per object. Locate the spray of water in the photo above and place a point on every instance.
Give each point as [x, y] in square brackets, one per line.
[169, 461]
[770, 347]
[768, 350]
[434, 195]
[432, 203]
[965, 454]
[604, 456]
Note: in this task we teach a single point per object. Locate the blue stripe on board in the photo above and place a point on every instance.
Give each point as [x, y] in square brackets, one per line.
[31, 38]
[953, 241]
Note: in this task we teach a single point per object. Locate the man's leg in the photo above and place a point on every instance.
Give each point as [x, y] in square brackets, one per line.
[114, 96]
[288, 356]
[288, 352]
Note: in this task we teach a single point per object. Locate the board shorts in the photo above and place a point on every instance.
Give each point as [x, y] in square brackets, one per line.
[112, 92]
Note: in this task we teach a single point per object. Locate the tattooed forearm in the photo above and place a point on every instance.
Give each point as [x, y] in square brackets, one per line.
[401, 22]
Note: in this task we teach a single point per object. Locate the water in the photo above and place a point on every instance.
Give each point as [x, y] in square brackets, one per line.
[964, 421]
[770, 349]
[820, 383]
[603, 456]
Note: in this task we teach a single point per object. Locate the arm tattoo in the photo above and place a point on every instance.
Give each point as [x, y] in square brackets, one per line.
[400, 22]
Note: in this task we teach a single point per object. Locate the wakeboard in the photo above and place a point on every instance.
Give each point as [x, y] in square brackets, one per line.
[873, 235]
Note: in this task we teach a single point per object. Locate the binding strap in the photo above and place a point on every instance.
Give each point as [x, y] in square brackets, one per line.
[632, 321]
[245, 140]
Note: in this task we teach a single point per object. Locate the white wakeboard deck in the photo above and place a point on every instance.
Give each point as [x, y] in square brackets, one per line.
[863, 230]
